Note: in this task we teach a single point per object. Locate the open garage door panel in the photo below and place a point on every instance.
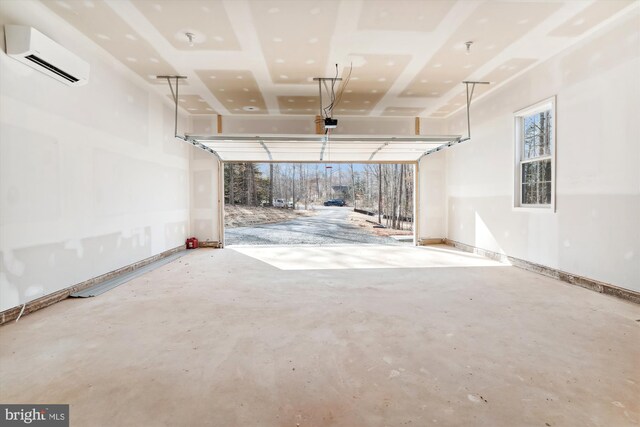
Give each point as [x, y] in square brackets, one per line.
[322, 148]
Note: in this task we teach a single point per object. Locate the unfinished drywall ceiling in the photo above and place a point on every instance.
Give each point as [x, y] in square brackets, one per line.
[409, 57]
[208, 22]
[491, 28]
[295, 37]
[193, 104]
[236, 90]
[104, 26]
[403, 15]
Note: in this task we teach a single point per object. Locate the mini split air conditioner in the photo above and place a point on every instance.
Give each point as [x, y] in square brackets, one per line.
[36, 50]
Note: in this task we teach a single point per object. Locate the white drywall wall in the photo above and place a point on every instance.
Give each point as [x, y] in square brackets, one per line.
[91, 178]
[432, 202]
[205, 191]
[431, 188]
[595, 231]
[306, 124]
[206, 202]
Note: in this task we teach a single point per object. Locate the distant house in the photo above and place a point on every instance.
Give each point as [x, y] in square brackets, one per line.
[341, 191]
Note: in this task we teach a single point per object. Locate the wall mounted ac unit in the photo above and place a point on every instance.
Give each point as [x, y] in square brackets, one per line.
[31, 47]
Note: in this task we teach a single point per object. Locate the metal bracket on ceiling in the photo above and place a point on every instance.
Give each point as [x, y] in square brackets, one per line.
[266, 149]
[379, 149]
[468, 137]
[321, 81]
[174, 94]
[443, 146]
[469, 97]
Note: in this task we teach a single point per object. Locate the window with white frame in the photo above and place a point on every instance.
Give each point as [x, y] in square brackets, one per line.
[535, 156]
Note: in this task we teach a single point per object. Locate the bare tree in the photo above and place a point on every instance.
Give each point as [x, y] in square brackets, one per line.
[400, 184]
[270, 184]
[232, 185]
[353, 187]
[388, 186]
[293, 185]
[379, 193]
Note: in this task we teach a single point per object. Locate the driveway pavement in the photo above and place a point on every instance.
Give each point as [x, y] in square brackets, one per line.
[330, 226]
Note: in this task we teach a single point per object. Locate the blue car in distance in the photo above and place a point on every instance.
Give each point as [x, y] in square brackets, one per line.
[334, 202]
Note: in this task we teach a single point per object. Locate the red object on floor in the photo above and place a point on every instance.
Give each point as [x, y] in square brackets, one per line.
[192, 243]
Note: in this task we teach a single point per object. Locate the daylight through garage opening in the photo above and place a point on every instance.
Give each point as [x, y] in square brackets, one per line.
[319, 203]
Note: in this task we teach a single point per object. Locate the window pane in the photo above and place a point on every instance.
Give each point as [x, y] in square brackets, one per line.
[536, 182]
[529, 125]
[529, 173]
[540, 135]
[529, 147]
[546, 198]
[530, 131]
[545, 136]
[528, 122]
[542, 195]
[546, 176]
[537, 134]
[526, 173]
[549, 131]
[535, 142]
[529, 194]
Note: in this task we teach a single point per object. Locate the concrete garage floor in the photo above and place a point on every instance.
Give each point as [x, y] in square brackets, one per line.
[230, 338]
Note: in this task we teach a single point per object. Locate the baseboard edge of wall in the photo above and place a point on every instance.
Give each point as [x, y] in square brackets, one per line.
[431, 241]
[573, 279]
[13, 313]
[210, 244]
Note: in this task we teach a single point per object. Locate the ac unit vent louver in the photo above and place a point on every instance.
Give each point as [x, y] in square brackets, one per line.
[51, 68]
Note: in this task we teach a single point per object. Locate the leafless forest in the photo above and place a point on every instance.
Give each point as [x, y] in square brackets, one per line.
[384, 190]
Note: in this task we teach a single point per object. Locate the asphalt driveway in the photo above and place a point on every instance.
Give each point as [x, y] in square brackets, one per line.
[330, 226]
